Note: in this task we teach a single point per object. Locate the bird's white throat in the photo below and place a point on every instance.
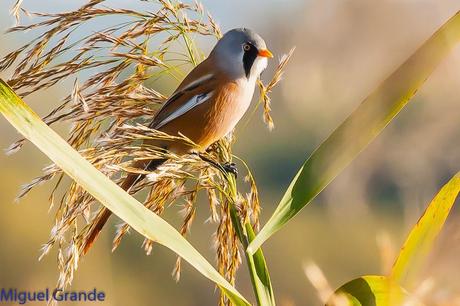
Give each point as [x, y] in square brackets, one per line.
[258, 67]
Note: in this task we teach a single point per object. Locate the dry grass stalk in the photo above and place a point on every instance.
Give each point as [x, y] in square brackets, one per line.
[16, 9]
[387, 251]
[266, 89]
[109, 109]
[324, 290]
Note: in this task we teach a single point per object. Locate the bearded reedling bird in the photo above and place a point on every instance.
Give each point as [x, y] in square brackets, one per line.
[206, 106]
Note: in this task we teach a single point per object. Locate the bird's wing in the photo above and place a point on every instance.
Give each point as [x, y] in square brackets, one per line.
[190, 101]
[196, 88]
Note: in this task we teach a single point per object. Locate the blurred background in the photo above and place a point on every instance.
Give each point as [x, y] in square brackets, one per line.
[344, 50]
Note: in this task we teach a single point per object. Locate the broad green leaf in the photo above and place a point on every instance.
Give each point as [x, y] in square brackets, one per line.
[370, 290]
[421, 238]
[103, 189]
[360, 128]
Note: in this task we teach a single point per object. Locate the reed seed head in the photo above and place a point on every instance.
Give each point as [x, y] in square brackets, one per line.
[109, 106]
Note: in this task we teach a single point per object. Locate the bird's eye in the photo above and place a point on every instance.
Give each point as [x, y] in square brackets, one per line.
[246, 47]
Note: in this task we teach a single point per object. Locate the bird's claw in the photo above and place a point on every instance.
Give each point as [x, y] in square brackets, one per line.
[231, 168]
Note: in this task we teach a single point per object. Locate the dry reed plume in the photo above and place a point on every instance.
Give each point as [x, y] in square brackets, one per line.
[109, 108]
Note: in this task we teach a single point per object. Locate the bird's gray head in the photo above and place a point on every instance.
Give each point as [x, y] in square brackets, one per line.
[241, 53]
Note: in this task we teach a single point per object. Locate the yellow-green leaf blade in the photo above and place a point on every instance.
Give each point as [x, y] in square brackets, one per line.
[360, 128]
[422, 236]
[104, 190]
[369, 290]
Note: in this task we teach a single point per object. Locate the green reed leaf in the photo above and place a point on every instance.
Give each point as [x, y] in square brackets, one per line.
[260, 276]
[383, 290]
[147, 223]
[422, 236]
[258, 270]
[360, 128]
[369, 290]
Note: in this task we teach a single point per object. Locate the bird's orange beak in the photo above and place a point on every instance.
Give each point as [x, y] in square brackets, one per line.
[265, 53]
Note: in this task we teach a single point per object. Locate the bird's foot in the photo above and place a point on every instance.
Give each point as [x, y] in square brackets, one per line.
[225, 167]
[230, 168]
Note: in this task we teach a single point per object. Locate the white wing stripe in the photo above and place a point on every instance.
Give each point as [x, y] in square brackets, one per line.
[202, 79]
[193, 102]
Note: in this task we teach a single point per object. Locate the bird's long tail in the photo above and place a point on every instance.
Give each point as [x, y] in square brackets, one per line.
[104, 215]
